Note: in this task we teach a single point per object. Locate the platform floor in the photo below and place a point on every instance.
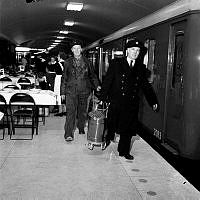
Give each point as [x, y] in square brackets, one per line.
[48, 168]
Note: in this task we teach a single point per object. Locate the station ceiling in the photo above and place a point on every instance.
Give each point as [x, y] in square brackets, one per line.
[37, 24]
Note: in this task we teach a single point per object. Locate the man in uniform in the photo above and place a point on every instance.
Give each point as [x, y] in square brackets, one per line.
[121, 87]
[77, 82]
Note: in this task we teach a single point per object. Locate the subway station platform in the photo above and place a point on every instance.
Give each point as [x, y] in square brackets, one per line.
[48, 168]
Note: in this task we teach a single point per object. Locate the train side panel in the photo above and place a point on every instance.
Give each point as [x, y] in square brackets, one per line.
[160, 34]
[174, 60]
[177, 84]
[191, 148]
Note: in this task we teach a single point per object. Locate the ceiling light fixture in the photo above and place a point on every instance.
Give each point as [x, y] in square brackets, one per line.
[74, 6]
[64, 32]
[58, 41]
[68, 23]
[22, 49]
[60, 37]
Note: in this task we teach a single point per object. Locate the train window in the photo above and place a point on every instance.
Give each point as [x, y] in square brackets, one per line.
[149, 58]
[94, 59]
[178, 59]
[107, 56]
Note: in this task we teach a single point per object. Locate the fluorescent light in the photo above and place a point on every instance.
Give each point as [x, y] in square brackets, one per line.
[68, 23]
[118, 52]
[64, 32]
[57, 41]
[74, 6]
[60, 37]
[22, 49]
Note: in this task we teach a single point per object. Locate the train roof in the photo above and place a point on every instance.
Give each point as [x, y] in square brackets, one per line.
[168, 12]
[37, 23]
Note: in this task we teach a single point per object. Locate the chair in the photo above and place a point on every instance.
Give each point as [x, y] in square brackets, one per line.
[4, 123]
[14, 87]
[6, 79]
[42, 114]
[24, 82]
[28, 75]
[22, 106]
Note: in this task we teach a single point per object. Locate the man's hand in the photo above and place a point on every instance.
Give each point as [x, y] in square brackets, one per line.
[62, 97]
[155, 107]
[98, 88]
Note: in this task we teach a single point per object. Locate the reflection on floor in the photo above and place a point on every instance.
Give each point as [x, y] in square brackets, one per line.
[48, 168]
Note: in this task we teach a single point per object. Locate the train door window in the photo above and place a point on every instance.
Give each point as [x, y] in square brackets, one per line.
[107, 56]
[93, 56]
[106, 61]
[178, 59]
[149, 58]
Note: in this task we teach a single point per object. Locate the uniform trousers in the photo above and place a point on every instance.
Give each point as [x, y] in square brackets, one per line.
[123, 120]
[76, 112]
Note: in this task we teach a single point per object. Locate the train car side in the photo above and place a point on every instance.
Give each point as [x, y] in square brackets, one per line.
[174, 60]
[176, 82]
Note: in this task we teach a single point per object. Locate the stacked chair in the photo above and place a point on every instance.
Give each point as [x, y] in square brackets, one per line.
[24, 82]
[24, 115]
[12, 86]
[6, 79]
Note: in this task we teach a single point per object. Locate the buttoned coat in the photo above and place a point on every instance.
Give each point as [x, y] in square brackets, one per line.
[86, 81]
[122, 87]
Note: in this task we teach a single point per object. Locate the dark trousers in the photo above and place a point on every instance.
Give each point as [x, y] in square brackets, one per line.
[76, 112]
[124, 144]
[50, 80]
[122, 119]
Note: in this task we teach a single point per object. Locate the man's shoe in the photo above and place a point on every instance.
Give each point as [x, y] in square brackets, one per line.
[127, 156]
[81, 132]
[69, 139]
[107, 143]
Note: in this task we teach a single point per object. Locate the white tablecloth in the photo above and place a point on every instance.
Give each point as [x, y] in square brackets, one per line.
[41, 97]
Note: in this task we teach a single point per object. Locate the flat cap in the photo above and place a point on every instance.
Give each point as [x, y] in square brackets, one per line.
[76, 42]
[134, 43]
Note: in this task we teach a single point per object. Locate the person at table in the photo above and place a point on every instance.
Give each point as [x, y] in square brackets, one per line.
[59, 70]
[40, 70]
[78, 80]
[23, 67]
[51, 72]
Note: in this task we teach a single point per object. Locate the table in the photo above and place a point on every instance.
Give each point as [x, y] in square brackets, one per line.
[41, 97]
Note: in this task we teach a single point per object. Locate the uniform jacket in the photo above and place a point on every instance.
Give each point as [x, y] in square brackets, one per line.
[122, 87]
[123, 84]
[84, 82]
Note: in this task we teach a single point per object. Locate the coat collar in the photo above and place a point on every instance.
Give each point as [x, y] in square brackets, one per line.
[125, 64]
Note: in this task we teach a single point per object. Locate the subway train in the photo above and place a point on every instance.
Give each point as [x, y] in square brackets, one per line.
[172, 37]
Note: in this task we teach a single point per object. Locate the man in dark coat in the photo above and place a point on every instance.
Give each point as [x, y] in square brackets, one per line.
[77, 82]
[121, 87]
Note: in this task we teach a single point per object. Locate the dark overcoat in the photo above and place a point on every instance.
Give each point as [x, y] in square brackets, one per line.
[122, 87]
[85, 81]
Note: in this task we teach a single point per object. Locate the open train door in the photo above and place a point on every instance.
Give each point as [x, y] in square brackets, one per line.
[174, 105]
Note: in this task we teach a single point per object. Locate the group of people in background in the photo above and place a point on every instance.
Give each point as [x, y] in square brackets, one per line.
[49, 72]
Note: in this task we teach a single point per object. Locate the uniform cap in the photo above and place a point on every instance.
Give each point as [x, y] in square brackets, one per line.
[134, 43]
